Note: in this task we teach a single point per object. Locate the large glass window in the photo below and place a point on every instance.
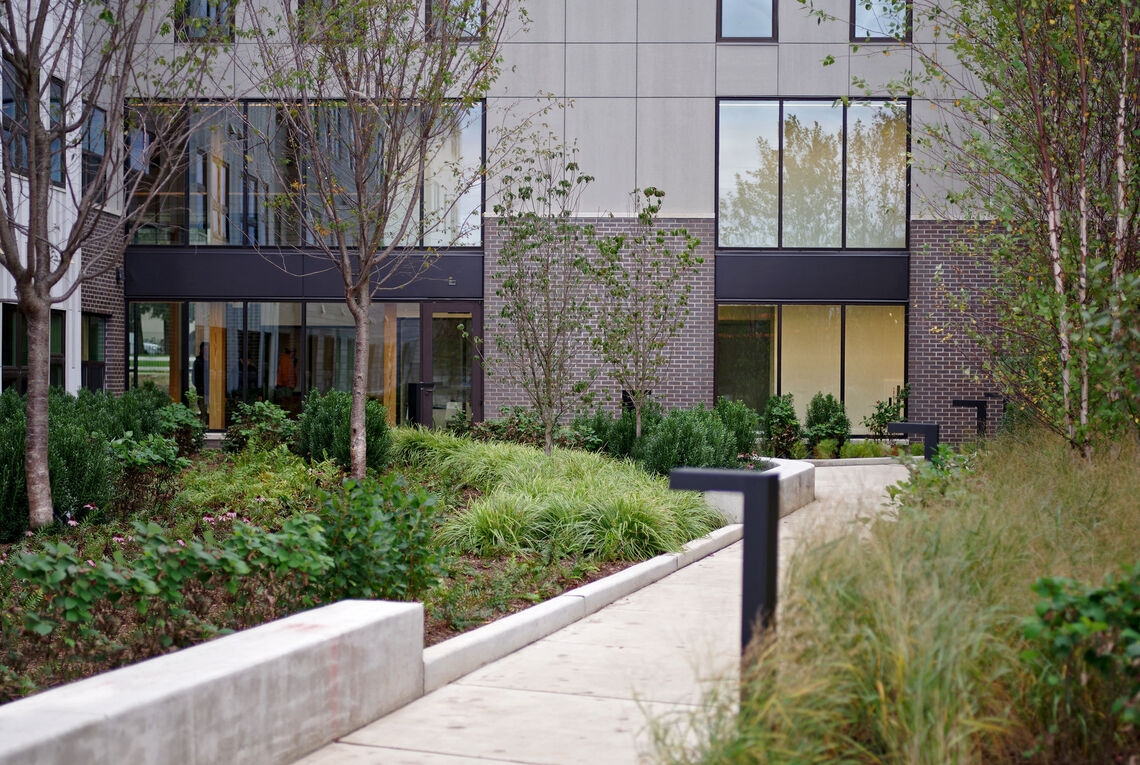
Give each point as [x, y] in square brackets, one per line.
[273, 348]
[14, 349]
[810, 352]
[15, 118]
[854, 352]
[94, 350]
[812, 174]
[748, 19]
[55, 120]
[236, 184]
[218, 369]
[746, 337]
[879, 20]
[155, 352]
[94, 148]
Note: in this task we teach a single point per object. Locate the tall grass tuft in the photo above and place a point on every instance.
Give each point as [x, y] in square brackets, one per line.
[571, 504]
[907, 646]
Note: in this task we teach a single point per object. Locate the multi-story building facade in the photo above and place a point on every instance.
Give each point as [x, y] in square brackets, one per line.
[819, 242]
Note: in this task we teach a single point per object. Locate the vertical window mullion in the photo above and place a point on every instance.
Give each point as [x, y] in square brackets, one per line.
[843, 181]
[780, 183]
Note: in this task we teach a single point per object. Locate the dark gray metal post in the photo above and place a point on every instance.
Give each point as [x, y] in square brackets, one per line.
[979, 405]
[761, 536]
[928, 431]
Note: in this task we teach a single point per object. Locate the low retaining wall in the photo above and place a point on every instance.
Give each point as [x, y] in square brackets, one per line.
[797, 488]
[265, 695]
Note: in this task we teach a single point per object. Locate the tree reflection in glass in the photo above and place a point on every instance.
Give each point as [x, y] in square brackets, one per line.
[749, 179]
[876, 175]
[813, 174]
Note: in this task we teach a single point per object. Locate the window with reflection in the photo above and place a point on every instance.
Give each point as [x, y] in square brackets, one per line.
[812, 174]
[14, 349]
[747, 19]
[204, 20]
[873, 20]
[93, 338]
[854, 352]
[15, 118]
[94, 145]
[249, 177]
[461, 19]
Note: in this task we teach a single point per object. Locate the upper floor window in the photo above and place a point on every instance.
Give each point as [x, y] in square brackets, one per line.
[812, 174]
[747, 20]
[15, 119]
[463, 18]
[55, 117]
[204, 19]
[249, 178]
[879, 20]
[94, 148]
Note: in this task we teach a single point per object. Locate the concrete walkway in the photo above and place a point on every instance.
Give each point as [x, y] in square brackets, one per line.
[584, 694]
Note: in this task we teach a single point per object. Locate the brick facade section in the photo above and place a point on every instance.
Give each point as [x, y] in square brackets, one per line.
[688, 378]
[943, 364]
[103, 295]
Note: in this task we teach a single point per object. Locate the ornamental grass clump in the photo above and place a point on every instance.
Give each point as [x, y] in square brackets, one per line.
[572, 503]
[909, 644]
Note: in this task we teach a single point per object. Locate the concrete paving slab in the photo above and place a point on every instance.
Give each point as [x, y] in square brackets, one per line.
[353, 754]
[527, 726]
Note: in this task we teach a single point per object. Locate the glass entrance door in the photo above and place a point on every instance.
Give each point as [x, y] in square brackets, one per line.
[452, 382]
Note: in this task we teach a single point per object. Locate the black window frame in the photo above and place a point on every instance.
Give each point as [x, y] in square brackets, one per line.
[93, 372]
[57, 102]
[722, 37]
[908, 26]
[844, 103]
[14, 357]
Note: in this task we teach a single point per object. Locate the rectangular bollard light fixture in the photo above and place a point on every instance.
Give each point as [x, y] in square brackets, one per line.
[928, 431]
[761, 537]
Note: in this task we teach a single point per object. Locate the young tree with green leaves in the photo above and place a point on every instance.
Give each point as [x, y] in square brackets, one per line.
[542, 277]
[78, 76]
[372, 98]
[646, 279]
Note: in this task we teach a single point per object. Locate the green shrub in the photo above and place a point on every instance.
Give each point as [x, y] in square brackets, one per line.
[741, 421]
[691, 437]
[890, 410]
[519, 425]
[826, 449]
[616, 436]
[780, 427]
[864, 448]
[183, 424]
[81, 467]
[826, 419]
[136, 411]
[380, 539]
[149, 469]
[324, 429]
[260, 425]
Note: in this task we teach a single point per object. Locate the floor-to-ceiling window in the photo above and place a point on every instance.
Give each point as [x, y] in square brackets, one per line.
[854, 352]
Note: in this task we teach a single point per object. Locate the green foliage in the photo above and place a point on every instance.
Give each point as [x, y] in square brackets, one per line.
[520, 425]
[77, 598]
[1089, 638]
[260, 485]
[81, 467]
[617, 436]
[148, 472]
[905, 642]
[741, 421]
[887, 411]
[690, 437]
[826, 449]
[260, 425]
[780, 427]
[826, 419]
[380, 539]
[323, 431]
[573, 503]
[184, 425]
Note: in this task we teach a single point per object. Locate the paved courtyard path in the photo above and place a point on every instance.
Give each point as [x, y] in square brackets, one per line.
[584, 694]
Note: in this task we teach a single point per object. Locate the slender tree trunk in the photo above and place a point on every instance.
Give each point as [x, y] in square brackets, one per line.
[637, 417]
[359, 302]
[37, 314]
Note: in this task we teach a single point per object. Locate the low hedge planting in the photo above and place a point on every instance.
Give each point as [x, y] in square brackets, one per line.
[323, 431]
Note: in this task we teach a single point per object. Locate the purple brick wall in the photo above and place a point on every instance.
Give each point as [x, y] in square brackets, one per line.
[688, 379]
[103, 295]
[943, 364]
